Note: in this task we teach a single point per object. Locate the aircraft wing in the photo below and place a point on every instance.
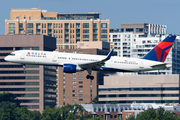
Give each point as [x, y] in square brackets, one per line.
[96, 64]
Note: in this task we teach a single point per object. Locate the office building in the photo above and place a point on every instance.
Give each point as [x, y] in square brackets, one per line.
[74, 87]
[176, 56]
[140, 89]
[146, 29]
[68, 29]
[36, 86]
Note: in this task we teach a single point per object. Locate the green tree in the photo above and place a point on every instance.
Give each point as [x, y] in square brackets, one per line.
[68, 112]
[7, 111]
[155, 114]
[113, 102]
[35, 115]
[96, 118]
[5, 96]
[131, 118]
[95, 100]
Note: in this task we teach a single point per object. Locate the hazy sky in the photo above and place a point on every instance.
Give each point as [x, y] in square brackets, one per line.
[164, 12]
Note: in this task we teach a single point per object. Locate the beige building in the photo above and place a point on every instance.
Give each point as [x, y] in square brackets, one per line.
[140, 88]
[68, 29]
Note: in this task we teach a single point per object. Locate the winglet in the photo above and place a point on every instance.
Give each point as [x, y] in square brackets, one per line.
[109, 55]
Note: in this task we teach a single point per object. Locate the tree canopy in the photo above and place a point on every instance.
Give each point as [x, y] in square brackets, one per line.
[155, 114]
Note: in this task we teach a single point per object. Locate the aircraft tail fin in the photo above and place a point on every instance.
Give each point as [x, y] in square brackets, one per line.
[160, 52]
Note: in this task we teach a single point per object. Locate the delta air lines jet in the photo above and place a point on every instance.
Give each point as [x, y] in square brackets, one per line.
[72, 63]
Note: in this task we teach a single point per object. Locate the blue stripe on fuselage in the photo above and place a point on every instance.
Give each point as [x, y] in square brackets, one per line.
[113, 69]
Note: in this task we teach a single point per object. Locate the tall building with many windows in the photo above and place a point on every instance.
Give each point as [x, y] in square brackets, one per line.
[176, 56]
[36, 86]
[68, 29]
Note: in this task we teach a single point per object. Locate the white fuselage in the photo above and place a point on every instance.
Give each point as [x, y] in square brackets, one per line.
[118, 64]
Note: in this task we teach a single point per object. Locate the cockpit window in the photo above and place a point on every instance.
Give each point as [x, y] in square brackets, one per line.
[12, 54]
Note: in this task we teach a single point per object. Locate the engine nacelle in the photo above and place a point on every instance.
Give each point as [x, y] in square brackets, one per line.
[71, 68]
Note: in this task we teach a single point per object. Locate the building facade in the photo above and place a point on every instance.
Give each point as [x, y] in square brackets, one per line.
[124, 111]
[68, 29]
[75, 88]
[140, 89]
[36, 86]
[146, 29]
[176, 56]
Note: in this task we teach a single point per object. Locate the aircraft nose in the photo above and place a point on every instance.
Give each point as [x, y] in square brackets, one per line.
[6, 58]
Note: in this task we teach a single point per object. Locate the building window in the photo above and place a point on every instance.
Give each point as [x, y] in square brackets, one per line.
[29, 25]
[66, 25]
[80, 82]
[73, 99]
[20, 25]
[29, 32]
[103, 31]
[35, 48]
[80, 99]
[11, 31]
[11, 25]
[74, 82]
[66, 46]
[74, 73]
[85, 36]
[86, 40]
[80, 90]
[103, 36]
[80, 73]
[74, 86]
[6, 48]
[20, 31]
[80, 95]
[129, 30]
[74, 95]
[73, 90]
[85, 31]
[44, 25]
[103, 25]
[80, 86]
[74, 78]
[32, 106]
[77, 25]
[85, 25]
[94, 25]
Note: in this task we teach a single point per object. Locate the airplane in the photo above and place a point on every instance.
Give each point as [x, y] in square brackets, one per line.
[72, 62]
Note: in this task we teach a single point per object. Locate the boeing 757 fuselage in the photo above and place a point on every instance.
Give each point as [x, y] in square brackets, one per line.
[72, 62]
